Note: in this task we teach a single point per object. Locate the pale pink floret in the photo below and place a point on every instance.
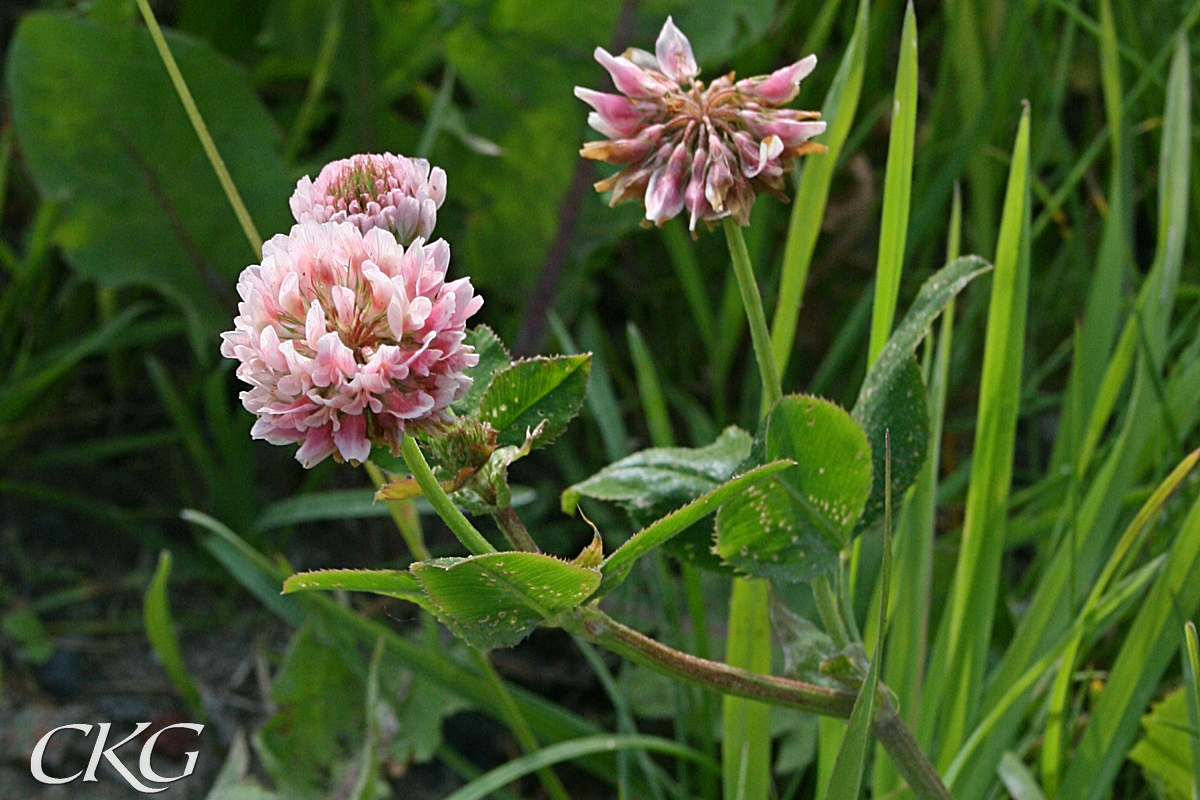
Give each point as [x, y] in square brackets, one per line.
[686, 146]
[399, 194]
[348, 339]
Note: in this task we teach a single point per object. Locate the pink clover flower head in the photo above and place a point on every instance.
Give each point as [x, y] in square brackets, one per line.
[683, 145]
[395, 193]
[348, 340]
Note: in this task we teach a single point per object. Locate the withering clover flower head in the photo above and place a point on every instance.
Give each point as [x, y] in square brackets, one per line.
[348, 339]
[708, 149]
[396, 193]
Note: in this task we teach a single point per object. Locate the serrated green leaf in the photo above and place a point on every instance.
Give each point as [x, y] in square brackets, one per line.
[493, 357]
[1164, 751]
[617, 565]
[535, 391]
[497, 599]
[893, 394]
[793, 525]
[387, 582]
[654, 482]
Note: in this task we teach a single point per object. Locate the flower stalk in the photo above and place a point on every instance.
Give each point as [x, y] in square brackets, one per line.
[752, 300]
[459, 525]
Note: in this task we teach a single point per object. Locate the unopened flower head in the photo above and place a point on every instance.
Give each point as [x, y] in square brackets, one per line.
[395, 193]
[684, 145]
[349, 339]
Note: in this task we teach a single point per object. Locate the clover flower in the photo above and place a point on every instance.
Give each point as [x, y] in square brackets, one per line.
[386, 191]
[708, 149]
[348, 339]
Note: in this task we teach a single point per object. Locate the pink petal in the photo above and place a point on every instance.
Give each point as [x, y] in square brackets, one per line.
[674, 53]
[630, 79]
[782, 85]
[351, 438]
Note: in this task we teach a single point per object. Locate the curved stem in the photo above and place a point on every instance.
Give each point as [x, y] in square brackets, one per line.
[752, 301]
[597, 627]
[459, 525]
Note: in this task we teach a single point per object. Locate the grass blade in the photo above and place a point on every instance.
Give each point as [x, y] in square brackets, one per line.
[897, 190]
[1191, 671]
[206, 140]
[567, 751]
[653, 402]
[156, 614]
[956, 680]
[1148, 648]
[812, 193]
[746, 747]
[1054, 738]
[908, 644]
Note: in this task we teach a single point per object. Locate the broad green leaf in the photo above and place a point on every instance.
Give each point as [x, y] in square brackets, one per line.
[493, 357]
[156, 615]
[387, 582]
[652, 483]
[812, 193]
[793, 525]
[1165, 749]
[319, 717]
[897, 189]
[497, 599]
[892, 396]
[617, 565]
[101, 128]
[897, 407]
[535, 391]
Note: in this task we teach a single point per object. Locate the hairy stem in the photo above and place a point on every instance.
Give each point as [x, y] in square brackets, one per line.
[597, 627]
[514, 529]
